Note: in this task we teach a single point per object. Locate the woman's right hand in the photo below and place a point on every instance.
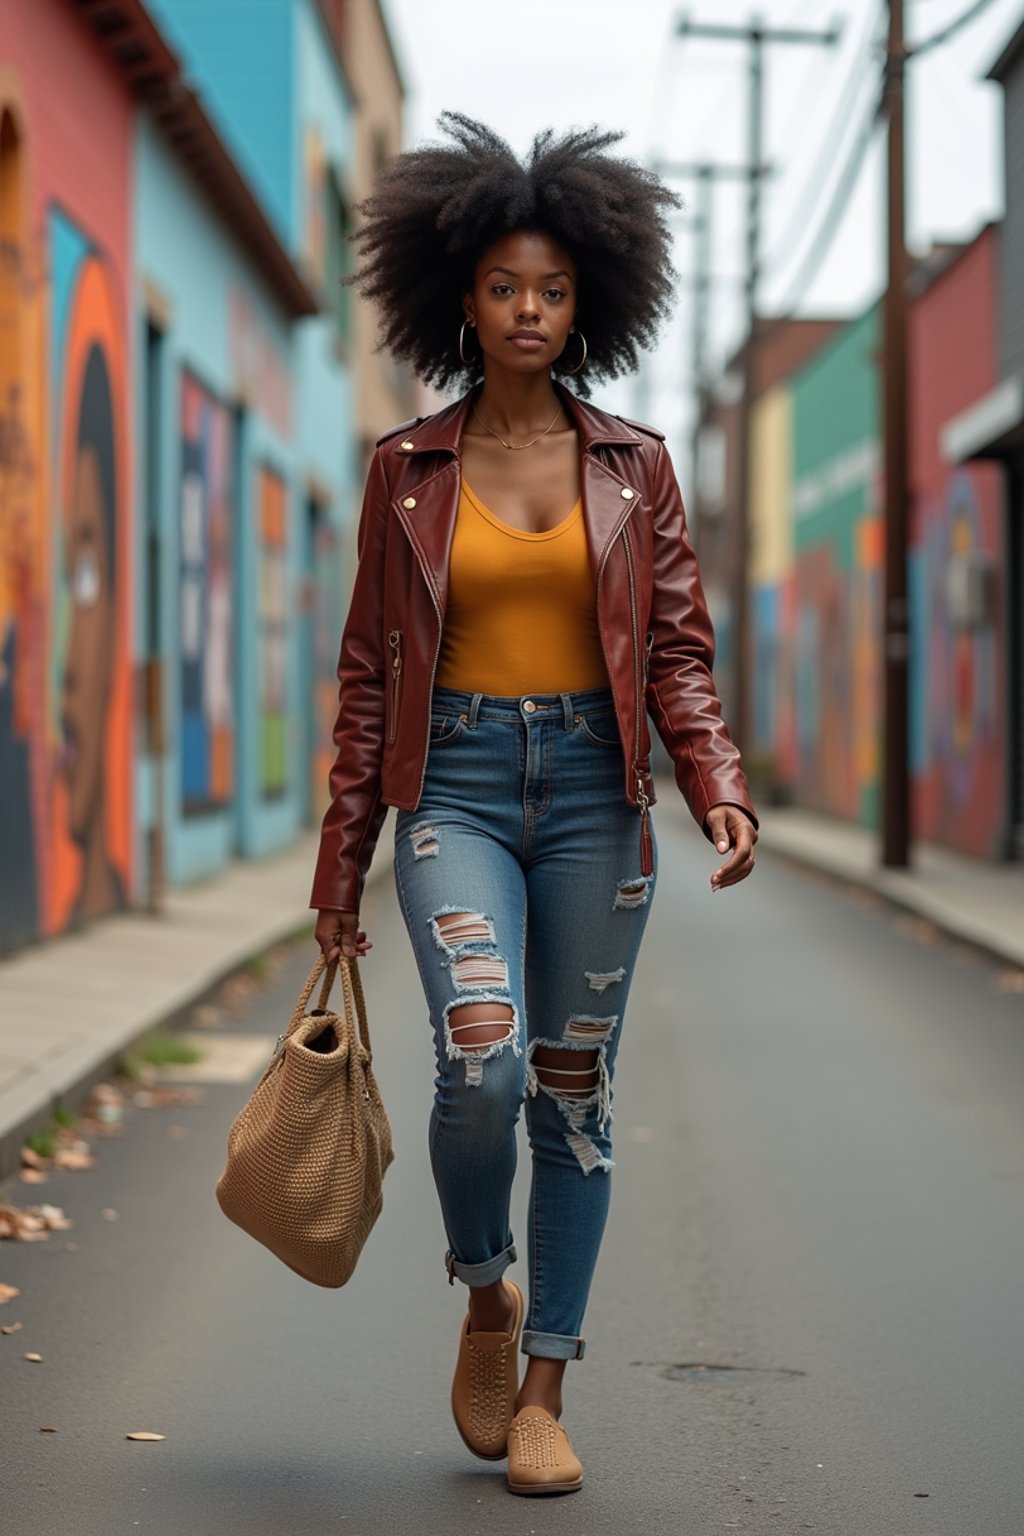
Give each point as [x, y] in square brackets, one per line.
[339, 933]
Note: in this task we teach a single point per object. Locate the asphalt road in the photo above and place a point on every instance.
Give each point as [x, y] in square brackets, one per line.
[809, 1313]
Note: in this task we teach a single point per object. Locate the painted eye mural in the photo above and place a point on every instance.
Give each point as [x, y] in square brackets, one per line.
[90, 686]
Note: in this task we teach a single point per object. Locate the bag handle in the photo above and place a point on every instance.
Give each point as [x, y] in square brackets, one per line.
[351, 992]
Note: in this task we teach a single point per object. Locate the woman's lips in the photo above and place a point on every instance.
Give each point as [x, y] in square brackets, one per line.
[527, 343]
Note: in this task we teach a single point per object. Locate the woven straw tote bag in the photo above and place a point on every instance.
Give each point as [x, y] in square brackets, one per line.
[307, 1154]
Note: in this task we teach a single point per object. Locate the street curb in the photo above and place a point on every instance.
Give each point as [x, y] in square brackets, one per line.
[70, 1079]
[899, 890]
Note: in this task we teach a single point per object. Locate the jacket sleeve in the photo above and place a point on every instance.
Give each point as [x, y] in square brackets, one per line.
[355, 815]
[681, 694]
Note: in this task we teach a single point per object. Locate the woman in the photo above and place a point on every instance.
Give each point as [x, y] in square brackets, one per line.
[525, 588]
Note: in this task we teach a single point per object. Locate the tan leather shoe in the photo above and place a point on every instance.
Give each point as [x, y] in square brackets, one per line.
[540, 1458]
[485, 1385]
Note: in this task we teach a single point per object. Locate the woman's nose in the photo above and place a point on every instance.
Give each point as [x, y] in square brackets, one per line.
[527, 307]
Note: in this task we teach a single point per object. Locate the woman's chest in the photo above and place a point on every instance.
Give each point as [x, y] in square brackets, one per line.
[527, 490]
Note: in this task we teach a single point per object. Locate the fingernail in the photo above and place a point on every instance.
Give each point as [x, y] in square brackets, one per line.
[723, 845]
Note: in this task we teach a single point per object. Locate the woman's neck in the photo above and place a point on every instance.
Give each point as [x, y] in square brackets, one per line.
[517, 406]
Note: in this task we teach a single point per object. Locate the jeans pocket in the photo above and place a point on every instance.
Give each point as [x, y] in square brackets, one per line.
[600, 729]
[445, 728]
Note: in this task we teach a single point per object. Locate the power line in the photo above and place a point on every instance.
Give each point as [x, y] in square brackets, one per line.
[803, 212]
[842, 191]
[945, 33]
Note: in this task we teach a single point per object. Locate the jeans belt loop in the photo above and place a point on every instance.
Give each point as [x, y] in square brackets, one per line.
[567, 709]
[474, 710]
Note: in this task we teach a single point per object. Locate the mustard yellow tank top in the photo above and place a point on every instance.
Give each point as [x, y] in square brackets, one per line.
[521, 615]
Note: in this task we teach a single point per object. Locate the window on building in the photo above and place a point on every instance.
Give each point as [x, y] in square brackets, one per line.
[339, 260]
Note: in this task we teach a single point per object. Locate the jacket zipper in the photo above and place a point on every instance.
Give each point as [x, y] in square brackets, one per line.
[395, 642]
[646, 844]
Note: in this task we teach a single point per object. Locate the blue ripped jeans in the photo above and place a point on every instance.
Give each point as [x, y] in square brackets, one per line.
[518, 877]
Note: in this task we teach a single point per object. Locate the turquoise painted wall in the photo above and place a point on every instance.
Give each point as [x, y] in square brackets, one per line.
[239, 55]
[201, 279]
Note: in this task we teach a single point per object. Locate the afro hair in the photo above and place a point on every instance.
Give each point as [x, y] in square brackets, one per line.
[435, 210]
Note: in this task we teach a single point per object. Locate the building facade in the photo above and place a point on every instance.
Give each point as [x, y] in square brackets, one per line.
[179, 441]
[66, 474]
[989, 429]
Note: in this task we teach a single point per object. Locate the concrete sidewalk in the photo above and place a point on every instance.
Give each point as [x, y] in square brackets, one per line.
[71, 1006]
[974, 901]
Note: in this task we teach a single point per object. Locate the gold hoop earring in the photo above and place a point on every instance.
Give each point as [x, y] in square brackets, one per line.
[583, 359]
[462, 333]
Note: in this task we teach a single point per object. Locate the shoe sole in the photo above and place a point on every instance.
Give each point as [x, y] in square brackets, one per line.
[540, 1488]
[520, 1318]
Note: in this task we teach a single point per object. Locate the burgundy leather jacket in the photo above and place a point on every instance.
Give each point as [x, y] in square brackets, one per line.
[652, 619]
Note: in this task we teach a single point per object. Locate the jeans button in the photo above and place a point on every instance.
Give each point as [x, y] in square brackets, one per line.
[529, 706]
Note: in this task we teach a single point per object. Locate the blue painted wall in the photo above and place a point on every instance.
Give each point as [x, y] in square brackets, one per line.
[239, 55]
[201, 279]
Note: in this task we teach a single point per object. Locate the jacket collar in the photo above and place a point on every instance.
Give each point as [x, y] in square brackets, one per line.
[442, 432]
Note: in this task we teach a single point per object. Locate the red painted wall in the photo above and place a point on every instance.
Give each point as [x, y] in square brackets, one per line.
[957, 674]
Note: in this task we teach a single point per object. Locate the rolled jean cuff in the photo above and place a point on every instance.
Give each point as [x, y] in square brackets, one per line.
[553, 1346]
[480, 1274]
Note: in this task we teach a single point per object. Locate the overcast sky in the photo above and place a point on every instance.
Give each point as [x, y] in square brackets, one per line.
[525, 65]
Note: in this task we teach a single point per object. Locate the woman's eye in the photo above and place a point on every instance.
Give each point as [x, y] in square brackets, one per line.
[498, 286]
[85, 579]
[556, 293]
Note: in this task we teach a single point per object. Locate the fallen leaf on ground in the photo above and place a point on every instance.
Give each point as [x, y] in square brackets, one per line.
[32, 1159]
[71, 1158]
[109, 1214]
[164, 1095]
[144, 1434]
[8, 1293]
[207, 1016]
[106, 1127]
[36, 1359]
[33, 1176]
[31, 1223]
[1010, 981]
[54, 1218]
[104, 1111]
[11, 1328]
[48, 1429]
[71, 1247]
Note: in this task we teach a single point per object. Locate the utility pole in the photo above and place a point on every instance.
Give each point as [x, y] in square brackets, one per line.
[755, 35]
[705, 173]
[895, 777]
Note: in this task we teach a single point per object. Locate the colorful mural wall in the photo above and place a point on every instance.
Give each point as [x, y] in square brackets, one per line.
[65, 726]
[816, 575]
[957, 675]
[328, 619]
[65, 478]
[89, 693]
[273, 633]
[834, 608]
[207, 666]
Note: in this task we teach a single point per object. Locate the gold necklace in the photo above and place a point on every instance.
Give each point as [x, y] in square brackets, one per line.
[501, 440]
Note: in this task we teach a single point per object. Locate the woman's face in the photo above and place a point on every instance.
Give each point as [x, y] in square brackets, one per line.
[523, 282]
[90, 639]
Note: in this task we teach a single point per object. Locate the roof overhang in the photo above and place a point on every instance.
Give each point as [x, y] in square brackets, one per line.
[992, 428]
[129, 35]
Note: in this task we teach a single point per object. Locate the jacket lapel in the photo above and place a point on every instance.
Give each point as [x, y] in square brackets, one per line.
[430, 522]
